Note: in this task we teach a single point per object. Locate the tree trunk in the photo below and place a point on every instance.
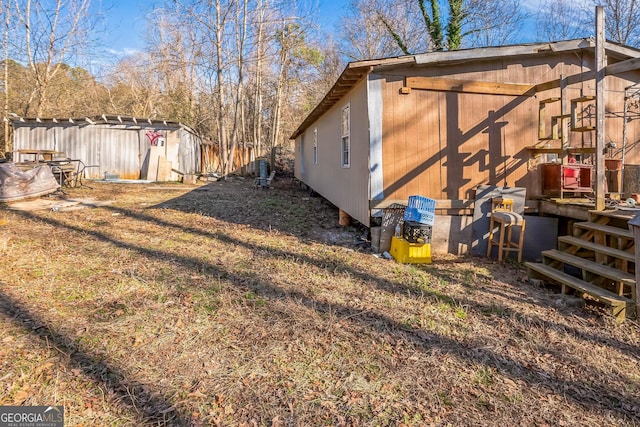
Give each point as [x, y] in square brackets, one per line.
[240, 42]
[257, 126]
[52, 37]
[243, 140]
[220, 92]
[275, 129]
[7, 21]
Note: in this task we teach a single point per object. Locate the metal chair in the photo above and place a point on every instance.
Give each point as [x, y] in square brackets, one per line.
[79, 174]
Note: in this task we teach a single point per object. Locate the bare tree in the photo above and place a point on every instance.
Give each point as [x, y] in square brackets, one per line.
[261, 8]
[134, 89]
[288, 38]
[237, 132]
[208, 23]
[5, 7]
[561, 20]
[237, 66]
[493, 23]
[421, 25]
[622, 20]
[363, 34]
[52, 32]
[173, 60]
[218, 34]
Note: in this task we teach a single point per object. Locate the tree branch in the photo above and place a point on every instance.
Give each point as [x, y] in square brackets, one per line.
[395, 35]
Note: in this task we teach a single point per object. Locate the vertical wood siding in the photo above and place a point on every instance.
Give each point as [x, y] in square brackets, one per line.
[444, 144]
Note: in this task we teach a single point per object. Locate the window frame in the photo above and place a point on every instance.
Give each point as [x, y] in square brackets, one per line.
[315, 146]
[345, 140]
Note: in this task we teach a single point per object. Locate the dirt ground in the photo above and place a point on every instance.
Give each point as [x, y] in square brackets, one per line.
[220, 304]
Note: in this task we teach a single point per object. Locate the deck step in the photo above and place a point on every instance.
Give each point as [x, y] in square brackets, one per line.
[618, 303]
[615, 214]
[605, 250]
[607, 229]
[592, 267]
[614, 217]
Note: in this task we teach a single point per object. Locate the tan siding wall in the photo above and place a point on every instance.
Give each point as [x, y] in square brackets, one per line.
[347, 188]
[444, 144]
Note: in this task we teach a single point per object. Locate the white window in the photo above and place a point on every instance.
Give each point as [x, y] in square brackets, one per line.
[315, 146]
[302, 153]
[346, 143]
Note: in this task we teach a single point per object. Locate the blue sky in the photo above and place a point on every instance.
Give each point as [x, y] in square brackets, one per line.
[126, 20]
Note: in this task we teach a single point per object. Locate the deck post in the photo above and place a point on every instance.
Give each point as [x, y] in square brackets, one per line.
[634, 224]
[565, 109]
[600, 87]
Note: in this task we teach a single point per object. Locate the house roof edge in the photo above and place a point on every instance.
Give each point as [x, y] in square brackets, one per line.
[352, 74]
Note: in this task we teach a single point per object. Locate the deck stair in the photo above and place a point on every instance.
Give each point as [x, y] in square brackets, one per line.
[597, 261]
[574, 245]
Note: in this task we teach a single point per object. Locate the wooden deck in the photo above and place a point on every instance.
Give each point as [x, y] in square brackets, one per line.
[573, 208]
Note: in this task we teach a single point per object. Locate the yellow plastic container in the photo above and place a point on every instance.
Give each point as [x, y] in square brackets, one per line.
[410, 253]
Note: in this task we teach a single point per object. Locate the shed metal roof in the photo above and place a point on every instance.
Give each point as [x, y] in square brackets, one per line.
[96, 120]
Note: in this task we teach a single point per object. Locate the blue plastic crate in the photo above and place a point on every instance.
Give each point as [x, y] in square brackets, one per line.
[420, 209]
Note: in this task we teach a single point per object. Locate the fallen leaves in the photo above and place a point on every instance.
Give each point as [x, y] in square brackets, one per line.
[21, 395]
[194, 315]
[197, 395]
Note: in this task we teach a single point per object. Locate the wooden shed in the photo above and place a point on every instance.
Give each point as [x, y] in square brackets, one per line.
[442, 124]
[129, 147]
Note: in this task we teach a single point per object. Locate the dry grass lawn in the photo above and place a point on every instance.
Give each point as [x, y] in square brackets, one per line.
[223, 305]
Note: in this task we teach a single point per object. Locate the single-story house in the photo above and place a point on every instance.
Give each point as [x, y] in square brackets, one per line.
[129, 147]
[441, 124]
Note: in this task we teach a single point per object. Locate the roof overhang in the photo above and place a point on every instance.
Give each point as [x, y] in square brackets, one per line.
[353, 73]
[614, 50]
